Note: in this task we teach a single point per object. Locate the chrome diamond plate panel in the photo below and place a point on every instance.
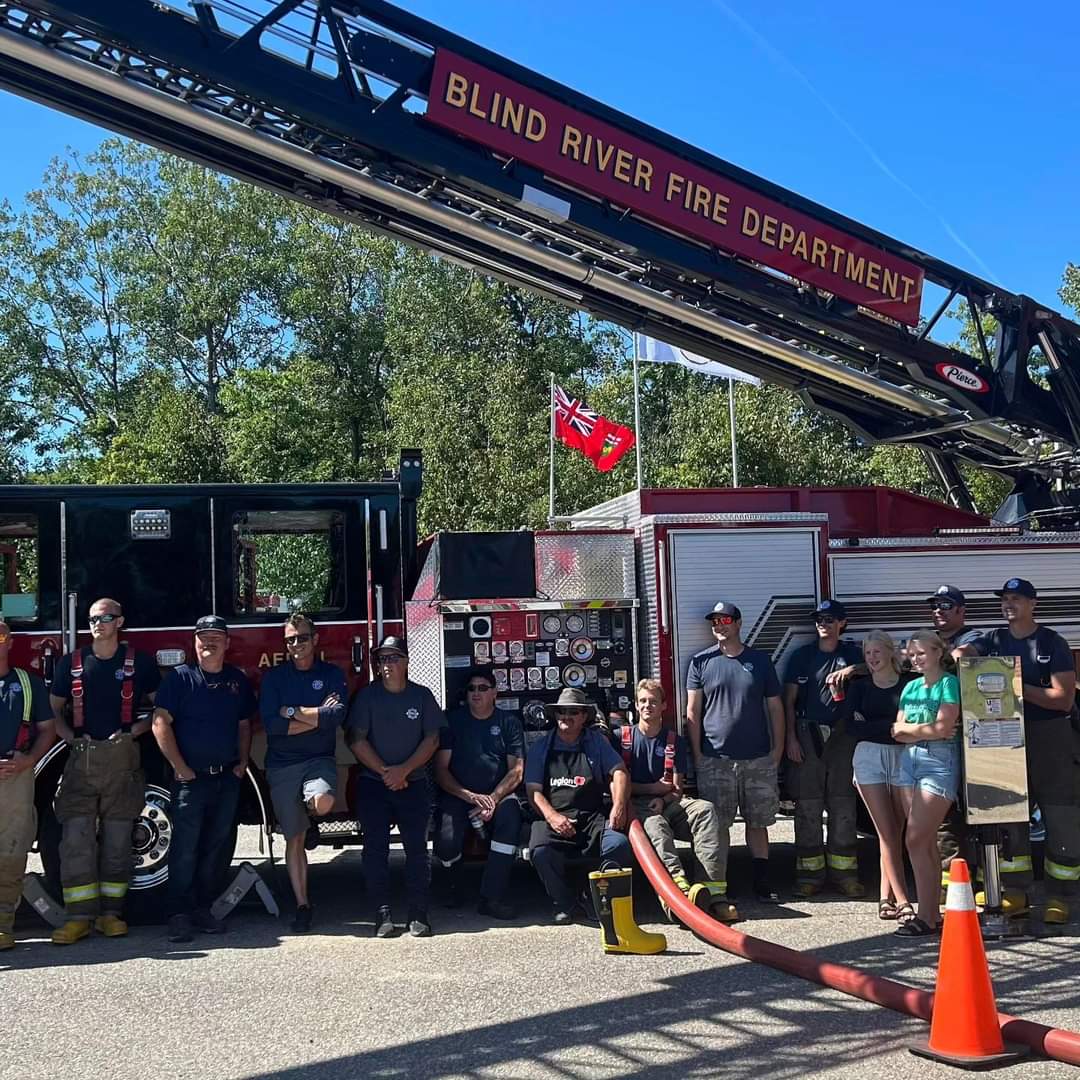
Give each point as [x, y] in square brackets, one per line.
[423, 625]
[577, 566]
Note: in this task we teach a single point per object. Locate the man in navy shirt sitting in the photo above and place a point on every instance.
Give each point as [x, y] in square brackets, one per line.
[479, 768]
[656, 758]
[302, 704]
[202, 723]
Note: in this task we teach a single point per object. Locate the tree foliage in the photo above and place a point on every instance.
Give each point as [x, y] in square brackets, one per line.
[160, 323]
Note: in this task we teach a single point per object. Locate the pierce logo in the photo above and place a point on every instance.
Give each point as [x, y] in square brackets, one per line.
[966, 380]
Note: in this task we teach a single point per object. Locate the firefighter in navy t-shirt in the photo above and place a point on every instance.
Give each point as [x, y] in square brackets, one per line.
[820, 753]
[102, 791]
[656, 758]
[735, 720]
[202, 724]
[1053, 752]
[478, 768]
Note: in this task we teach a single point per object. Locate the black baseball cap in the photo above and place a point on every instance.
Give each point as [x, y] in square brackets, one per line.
[211, 622]
[391, 644]
[830, 607]
[948, 592]
[724, 608]
[480, 673]
[1018, 585]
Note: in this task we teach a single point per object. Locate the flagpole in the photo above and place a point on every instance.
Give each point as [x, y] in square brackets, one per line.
[551, 473]
[731, 424]
[637, 419]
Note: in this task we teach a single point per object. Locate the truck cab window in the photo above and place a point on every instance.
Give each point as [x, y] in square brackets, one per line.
[19, 555]
[288, 560]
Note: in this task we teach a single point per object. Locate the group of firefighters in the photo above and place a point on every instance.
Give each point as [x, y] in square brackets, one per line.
[847, 718]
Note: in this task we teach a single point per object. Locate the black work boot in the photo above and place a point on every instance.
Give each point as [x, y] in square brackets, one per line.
[384, 923]
[179, 928]
[419, 926]
[301, 923]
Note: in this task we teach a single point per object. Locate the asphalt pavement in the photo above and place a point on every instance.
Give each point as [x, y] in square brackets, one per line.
[527, 999]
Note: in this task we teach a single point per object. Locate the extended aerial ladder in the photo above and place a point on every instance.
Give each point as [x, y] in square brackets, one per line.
[367, 112]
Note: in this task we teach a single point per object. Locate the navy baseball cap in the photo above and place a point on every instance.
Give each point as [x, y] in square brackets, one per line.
[724, 608]
[391, 644]
[211, 622]
[948, 592]
[830, 607]
[1017, 585]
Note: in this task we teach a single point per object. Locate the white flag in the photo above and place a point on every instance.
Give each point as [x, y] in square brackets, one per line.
[660, 352]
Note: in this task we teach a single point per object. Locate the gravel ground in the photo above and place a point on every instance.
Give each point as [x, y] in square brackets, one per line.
[521, 1000]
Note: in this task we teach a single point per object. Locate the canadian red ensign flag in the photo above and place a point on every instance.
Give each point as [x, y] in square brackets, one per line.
[601, 440]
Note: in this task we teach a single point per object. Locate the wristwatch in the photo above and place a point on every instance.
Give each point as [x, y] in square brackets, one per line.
[290, 712]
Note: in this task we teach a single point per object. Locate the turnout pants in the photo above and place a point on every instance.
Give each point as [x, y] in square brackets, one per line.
[1053, 764]
[688, 819]
[100, 797]
[378, 808]
[824, 781]
[18, 826]
[203, 827]
[505, 826]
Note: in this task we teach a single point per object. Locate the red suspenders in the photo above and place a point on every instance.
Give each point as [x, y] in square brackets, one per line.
[627, 743]
[127, 691]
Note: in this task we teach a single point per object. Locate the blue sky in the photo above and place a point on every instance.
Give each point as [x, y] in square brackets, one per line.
[954, 134]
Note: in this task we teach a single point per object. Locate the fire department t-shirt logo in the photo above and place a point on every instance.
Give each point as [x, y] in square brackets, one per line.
[494, 729]
[316, 684]
[568, 781]
[119, 674]
[748, 667]
[413, 714]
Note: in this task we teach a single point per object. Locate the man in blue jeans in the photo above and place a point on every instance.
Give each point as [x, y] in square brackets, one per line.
[567, 774]
[202, 723]
[393, 729]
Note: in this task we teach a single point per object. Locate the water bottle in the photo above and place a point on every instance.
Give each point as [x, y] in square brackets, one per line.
[477, 822]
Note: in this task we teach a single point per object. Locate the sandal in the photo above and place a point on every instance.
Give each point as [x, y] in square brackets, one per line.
[886, 910]
[915, 927]
[904, 913]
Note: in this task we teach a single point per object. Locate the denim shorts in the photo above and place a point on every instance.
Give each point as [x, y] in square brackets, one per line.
[933, 766]
[877, 763]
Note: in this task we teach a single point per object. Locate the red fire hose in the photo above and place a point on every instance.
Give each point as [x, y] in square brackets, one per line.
[1056, 1043]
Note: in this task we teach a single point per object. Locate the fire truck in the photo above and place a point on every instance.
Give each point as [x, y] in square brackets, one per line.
[363, 110]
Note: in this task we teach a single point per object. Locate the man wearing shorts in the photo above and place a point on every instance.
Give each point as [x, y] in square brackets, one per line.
[735, 722]
[302, 704]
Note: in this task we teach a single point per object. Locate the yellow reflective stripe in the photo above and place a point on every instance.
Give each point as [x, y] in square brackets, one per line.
[1020, 865]
[1061, 873]
[946, 881]
[842, 862]
[810, 862]
[74, 893]
[27, 693]
[114, 888]
[718, 887]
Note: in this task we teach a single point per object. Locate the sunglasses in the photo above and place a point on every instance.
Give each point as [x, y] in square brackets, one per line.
[722, 620]
[297, 639]
[389, 659]
[942, 605]
[95, 619]
[824, 620]
[479, 688]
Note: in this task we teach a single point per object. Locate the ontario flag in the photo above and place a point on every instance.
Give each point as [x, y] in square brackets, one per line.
[581, 428]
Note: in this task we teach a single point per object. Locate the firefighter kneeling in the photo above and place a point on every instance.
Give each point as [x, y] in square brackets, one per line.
[566, 775]
[657, 762]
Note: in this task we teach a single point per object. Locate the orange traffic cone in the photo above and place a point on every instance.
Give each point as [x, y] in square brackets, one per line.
[964, 1029]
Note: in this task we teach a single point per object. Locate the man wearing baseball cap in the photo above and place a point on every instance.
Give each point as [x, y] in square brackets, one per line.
[820, 752]
[1053, 749]
[393, 729]
[735, 722]
[202, 724]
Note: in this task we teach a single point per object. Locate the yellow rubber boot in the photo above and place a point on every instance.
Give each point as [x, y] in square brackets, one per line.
[1056, 911]
[7, 940]
[1014, 902]
[711, 897]
[614, 902]
[110, 925]
[73, 930]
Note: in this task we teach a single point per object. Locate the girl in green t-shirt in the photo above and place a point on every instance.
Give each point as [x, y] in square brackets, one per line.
[929, 772]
